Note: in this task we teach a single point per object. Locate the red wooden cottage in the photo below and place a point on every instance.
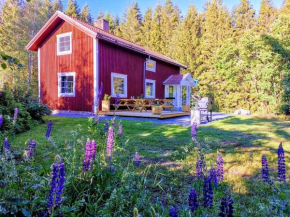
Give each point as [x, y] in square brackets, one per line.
[74, 57]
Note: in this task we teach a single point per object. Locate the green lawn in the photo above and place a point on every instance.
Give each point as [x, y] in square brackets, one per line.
[169, 157]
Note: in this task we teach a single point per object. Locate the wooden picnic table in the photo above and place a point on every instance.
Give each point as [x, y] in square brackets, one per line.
[141, 104]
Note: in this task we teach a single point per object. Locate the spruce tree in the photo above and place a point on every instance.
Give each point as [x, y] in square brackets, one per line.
[146, 40]
[57, 5]
[156, 33]
[85, 14]
[267, 15]
[73, 9]
[285, 7]
[130, 27]
[100, 15]
[112, 22]
[243, 17]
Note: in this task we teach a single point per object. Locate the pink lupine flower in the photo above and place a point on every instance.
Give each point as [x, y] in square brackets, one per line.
[110, 143]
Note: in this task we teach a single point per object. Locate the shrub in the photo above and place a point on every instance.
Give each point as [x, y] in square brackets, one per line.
[7, 106]
[36, 110]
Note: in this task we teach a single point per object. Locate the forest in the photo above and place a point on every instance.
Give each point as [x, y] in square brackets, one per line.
[240, 56]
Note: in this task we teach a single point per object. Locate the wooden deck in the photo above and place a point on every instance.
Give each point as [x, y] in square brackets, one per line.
[146, 114]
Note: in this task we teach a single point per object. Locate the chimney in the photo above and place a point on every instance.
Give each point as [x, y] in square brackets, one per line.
[102, 24]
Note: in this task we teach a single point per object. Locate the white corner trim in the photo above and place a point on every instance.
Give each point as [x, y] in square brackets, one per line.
[38, 69]
[96, 72]
[59, 84]
[118, 75]
[154, 88]
[57, 44]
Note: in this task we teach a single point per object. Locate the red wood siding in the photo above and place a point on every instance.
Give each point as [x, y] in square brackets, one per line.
[80, 62]
[113, 58]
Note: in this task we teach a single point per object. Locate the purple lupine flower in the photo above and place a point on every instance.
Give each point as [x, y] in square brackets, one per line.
[93, 154]
[110, 142]
[114, 122]
[97, 118]
[86, 162]
[120, 130]
[57, 184]
[1, 120]
[192, 200]
[207, 192]
[213, 176]
[199, 169]
[137, 159]
[281, 164]
[15, 115]
[48, 131]
[173, 212]
[220, 168]
[265, 169]
[6, 144]
[60, 183]
[117, 100]
[226, 207]
[106, 126]
[31, 149]
[100, 93]
[53, 185]
[194, 131]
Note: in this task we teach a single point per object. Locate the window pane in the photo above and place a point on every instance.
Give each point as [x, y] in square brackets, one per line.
[170, 91]
[149, 89]
[118, 84]
[184, 90]
[64, 43]
[66, 84]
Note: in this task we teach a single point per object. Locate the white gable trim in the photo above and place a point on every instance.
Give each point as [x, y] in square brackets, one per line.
[38, 69]
[96, 72]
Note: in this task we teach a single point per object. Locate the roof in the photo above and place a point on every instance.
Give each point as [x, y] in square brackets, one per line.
[185, 79]
[94, 32]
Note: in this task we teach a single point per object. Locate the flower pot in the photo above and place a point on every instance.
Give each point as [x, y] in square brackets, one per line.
[105, 105]
[185, 108]
[157, 110]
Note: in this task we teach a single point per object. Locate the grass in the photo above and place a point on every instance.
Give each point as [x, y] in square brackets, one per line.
[169, 157]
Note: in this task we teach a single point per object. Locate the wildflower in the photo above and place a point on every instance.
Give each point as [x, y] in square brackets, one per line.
[281, 164]
[106, 125]
[199, 168]
[15, 115]
[100, 93]
[86, 162]
[1, 120]
[207, 192]
[117, 100]
[48, 131]
[226, 207]
[192, 200]
[56, 184]
[194, 131]
[120, 131]
[220, 168]
[110, 142]
[6, 144]
[114, 122]
[173, 212]
[31, 149]
[213, 176]
[137, 159]
[265, 169]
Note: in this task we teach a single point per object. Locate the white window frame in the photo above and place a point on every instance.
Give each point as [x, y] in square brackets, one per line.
[59, 53]
[118, 75]
[150, 69]
[154, 88]
[59, 84]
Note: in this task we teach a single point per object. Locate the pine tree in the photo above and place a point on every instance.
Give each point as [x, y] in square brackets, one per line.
[156, 30]
[100, 15]
[267, 15]
[243, 17]
[112, 22]
[57, 5]
[85, 14]
[73, 9]
[130, 27]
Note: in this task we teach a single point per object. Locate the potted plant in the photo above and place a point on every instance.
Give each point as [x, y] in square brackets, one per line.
[157, 109]
[106, 103]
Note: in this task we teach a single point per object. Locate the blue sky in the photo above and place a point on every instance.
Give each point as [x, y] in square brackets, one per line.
[118, 6]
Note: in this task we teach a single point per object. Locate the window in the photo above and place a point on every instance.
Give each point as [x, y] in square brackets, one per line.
[66, 84]
[151, 65]
[64, 44]
[184, 95]
[171, 91]
[119, 85]
[150, 88]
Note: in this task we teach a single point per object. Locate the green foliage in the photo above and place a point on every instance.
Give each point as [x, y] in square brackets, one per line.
[73, 9]
[107, 97]
[7, 106]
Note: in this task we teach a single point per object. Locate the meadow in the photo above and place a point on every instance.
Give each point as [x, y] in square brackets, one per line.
[166, 174]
